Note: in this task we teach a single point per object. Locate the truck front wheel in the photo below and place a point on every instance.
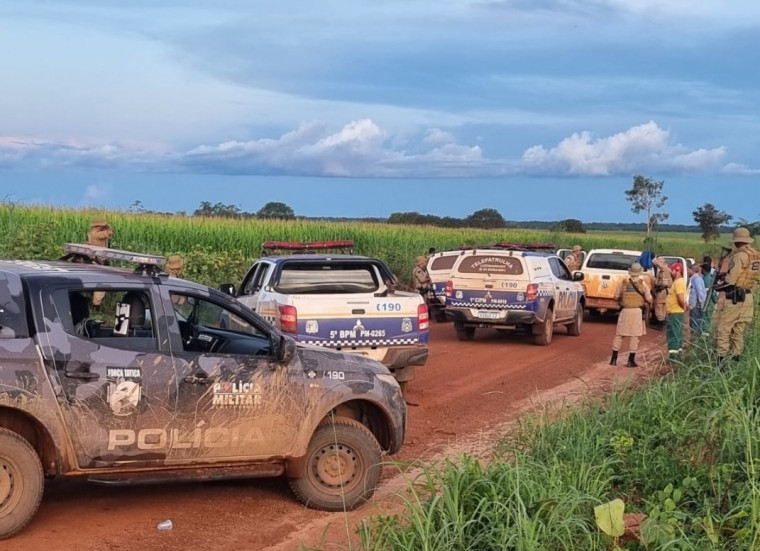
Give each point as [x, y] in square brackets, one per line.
[343, 466]
[21, 483]
[543, 332]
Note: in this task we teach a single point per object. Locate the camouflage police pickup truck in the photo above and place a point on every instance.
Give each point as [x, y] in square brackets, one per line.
[125, 376]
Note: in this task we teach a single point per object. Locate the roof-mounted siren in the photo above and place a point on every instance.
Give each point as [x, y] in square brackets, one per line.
[293, 247]
[147, 264]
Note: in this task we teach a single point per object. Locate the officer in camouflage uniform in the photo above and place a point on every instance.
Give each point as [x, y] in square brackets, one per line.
[662, 282]
[420, 276]
[99, 234]
[738, 287]
[574, 260]
[633, 295]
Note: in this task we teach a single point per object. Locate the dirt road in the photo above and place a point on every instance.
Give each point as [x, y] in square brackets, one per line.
[466, 389]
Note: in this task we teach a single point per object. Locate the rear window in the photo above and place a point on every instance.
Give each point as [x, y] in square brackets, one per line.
[611, 261]
[443, 262]
[491, 264]
[315, 279]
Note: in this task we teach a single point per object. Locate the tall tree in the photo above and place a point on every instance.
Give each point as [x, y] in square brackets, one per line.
[275, 209]
[486, 218]
[646, 196]
[710, 219]
[219, 209]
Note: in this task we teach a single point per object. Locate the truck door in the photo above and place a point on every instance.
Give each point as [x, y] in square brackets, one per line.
[116, 381]
[564, 288]
[236, 400]
[252, 284]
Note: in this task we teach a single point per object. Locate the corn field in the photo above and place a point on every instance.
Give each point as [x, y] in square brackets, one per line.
[220, 250]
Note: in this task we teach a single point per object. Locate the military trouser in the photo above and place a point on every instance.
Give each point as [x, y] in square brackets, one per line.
[633, 343]
[659, 305]
[674, 333]
[731, 325]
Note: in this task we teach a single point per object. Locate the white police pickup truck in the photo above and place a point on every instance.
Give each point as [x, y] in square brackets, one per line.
[340, 301]
[513, 288]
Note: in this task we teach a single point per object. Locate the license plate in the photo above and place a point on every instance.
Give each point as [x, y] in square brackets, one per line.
[489, 314]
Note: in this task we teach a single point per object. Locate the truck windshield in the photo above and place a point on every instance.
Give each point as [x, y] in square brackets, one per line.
[611, 261]
[329, 278]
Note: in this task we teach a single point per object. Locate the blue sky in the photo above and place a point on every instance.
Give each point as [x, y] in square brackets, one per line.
[542, 109]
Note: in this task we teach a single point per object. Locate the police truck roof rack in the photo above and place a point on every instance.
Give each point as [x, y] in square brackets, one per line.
[509, 246]
[147, 264]
[342, 245]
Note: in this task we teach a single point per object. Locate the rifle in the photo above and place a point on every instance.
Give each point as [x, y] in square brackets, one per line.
[718, 279]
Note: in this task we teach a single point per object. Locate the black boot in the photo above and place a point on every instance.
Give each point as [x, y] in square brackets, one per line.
[632, 360]
[613, 359]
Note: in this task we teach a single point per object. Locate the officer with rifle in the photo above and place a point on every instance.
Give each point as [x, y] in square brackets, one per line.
[738, 286]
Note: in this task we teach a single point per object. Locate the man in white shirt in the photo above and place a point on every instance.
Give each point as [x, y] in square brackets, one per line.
[697, 296]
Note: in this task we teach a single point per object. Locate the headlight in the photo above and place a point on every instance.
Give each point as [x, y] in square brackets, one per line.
[388, 378]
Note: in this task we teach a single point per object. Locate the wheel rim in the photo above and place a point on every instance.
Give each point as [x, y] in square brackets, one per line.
[335, 466]
[7, 482]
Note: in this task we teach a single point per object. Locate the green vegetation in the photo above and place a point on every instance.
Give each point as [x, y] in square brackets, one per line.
[684, 450]
[220, 250]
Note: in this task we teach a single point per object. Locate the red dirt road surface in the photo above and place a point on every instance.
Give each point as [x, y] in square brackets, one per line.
[466, 390]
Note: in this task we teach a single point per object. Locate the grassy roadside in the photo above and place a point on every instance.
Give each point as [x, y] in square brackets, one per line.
[681, 453]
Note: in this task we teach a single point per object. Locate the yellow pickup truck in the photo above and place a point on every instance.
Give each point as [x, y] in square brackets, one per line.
[603, 270]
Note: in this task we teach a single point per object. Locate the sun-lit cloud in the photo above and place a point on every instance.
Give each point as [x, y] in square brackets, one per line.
[361, 148]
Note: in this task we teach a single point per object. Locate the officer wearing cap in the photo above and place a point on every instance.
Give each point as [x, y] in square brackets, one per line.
[738, 286]
[662, 282]
[574, 259]
[676, 306]
[99, 233]
[420, 276]
[174, 265]
[633, 295]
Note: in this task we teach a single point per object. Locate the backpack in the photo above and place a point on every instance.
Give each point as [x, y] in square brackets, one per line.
[646, 259]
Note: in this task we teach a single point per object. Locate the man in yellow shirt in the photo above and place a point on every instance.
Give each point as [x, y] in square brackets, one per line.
[676, 308]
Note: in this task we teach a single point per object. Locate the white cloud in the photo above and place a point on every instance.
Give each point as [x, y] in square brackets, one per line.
[97, 193]
[362, 148]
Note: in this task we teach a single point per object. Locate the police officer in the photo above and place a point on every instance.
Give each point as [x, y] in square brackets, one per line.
[738, 287]
[662, 282]
[633, 295]
[100, 232]
[174, 265]
[574, 259]
[420, 276]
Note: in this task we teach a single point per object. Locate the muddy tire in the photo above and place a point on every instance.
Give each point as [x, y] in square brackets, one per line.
[440, 316]
[575, 328]
[21, 483]
[543, 333]
[465, 333]
[343, 466]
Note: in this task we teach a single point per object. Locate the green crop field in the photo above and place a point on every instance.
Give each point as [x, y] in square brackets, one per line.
[220, 250]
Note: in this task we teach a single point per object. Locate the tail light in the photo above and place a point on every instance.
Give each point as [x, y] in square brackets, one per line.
[449, 288]
[532, 293]
[423, 320]
[288, 319]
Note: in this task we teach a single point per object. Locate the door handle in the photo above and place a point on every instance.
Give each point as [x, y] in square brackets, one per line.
[199, 378]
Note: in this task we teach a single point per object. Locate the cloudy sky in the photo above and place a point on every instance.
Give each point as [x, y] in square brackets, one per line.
[539, 108]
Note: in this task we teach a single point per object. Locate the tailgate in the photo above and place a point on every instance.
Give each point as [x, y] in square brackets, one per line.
[489, 294]
[359, 321]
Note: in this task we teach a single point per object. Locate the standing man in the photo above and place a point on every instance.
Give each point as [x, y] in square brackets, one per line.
[574, 260]
[420, 276]
[710, 295]
[633, 295]
[99, 234]
[738, 287]
[662, 282]
[676, 307]
[697, 298]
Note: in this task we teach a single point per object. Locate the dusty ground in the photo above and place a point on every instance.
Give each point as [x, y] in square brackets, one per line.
[468, 393]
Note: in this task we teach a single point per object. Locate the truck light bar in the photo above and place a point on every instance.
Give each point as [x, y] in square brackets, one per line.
[93, 254]
[511, 246]
[302, 246]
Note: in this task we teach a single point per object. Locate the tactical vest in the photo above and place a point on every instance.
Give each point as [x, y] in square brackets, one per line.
[630, 298]
[748, 278]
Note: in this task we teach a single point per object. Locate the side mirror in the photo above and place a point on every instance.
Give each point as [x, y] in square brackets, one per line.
[287, 349]
[577, 276]
[227, 289]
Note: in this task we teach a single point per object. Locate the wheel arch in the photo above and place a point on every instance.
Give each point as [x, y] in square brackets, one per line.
[34, 432]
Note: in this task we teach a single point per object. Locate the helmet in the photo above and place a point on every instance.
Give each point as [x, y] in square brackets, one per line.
[174, 262]
[577, 248]
[421, 261]
[635, 269]
[741, 235]
[99, 222]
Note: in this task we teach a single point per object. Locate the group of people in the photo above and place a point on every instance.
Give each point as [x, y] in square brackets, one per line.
[729, 294]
